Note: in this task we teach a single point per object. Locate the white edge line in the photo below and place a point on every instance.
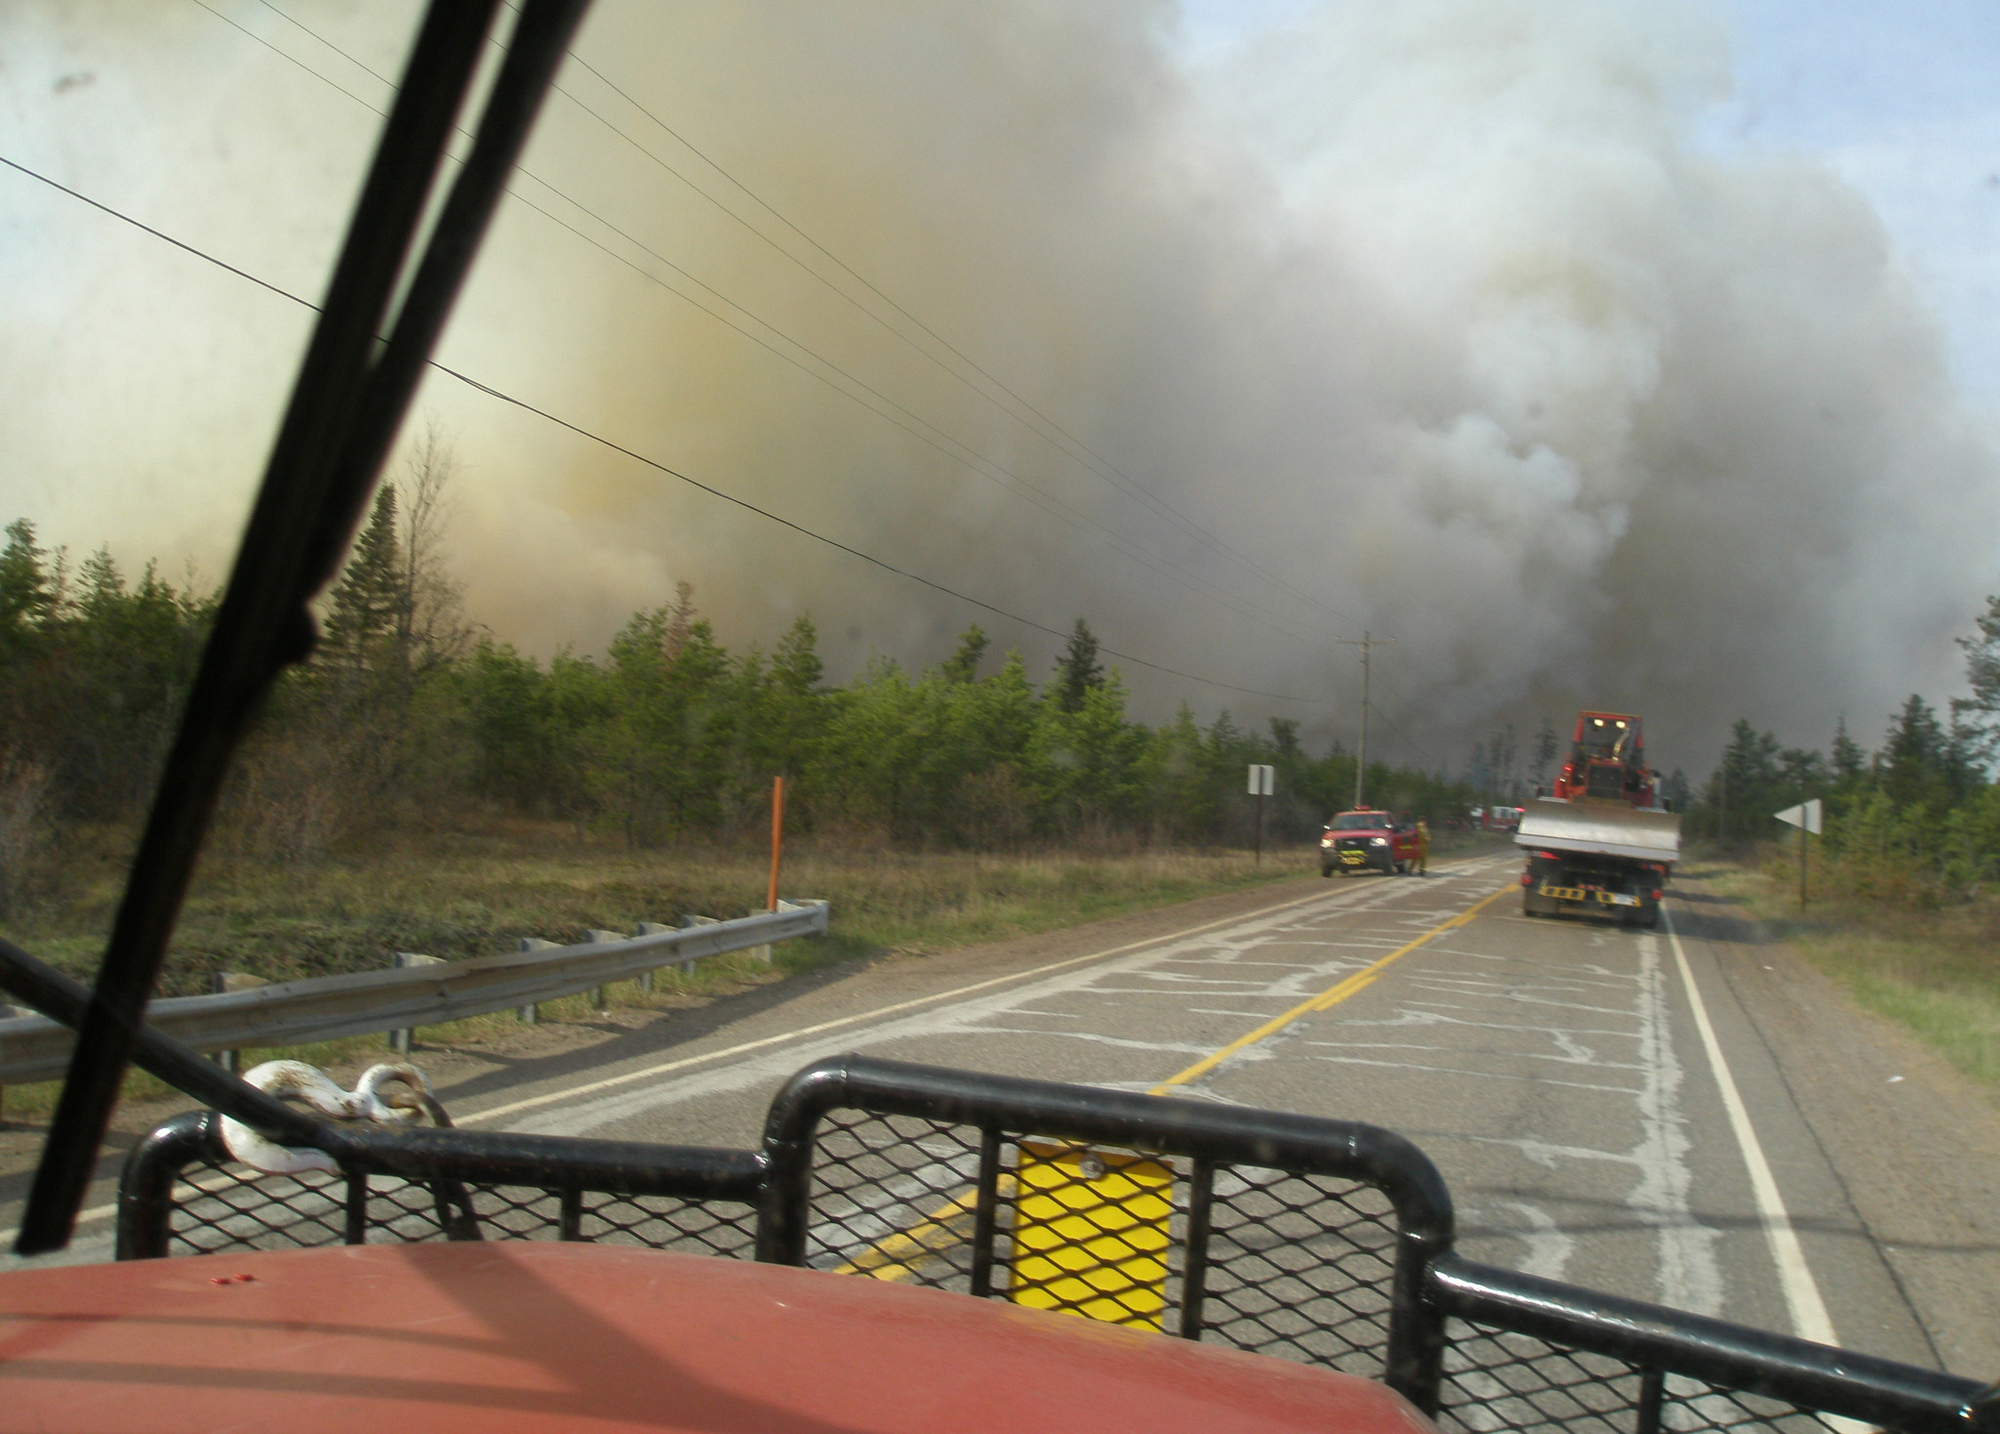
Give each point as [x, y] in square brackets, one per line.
[1809, 1316]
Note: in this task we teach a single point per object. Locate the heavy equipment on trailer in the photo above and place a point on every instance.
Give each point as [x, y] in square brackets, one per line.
[907, 1248]
[1603, 842]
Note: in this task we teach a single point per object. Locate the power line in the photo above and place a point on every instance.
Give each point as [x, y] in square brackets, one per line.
[952, 447]
[1076, 448]
[1400, 736]
[581, 431]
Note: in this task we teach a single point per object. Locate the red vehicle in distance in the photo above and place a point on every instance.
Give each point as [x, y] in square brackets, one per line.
[1366, 839]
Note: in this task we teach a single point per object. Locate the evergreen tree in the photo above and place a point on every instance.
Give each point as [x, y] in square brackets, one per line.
[795, 663]
[27, 591]
[1916, 754]
[1078, 671]
[1980, 710]
[366, 611]
[1849, 762]
[963, 665]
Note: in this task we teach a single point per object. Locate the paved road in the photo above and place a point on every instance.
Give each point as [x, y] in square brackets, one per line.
[1605, 1105]
[1555, 1070]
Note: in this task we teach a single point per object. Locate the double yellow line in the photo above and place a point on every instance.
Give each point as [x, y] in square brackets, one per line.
[893, 1257]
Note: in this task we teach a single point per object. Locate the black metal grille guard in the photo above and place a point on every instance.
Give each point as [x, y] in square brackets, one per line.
[1471, 1344]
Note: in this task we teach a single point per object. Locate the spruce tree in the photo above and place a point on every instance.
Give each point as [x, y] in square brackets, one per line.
[365, 613]
[1078, 670]
[27, 591]
[963, 665]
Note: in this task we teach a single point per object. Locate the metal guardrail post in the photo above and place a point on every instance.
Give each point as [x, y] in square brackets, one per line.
[223, 983]
[531, 1013]
[401, 1040]
[599, 995]
[650, 928]
[688, 923]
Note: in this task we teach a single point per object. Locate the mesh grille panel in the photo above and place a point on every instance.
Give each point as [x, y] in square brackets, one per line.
[1094, 1232]
[220, 1207]
[1300, 1266]
[700, 1227]
[1694, 1406]
[1494, 1381]
[892, 1197]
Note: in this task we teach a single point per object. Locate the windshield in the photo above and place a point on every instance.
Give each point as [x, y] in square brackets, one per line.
[1605, 738]
[1360, 821]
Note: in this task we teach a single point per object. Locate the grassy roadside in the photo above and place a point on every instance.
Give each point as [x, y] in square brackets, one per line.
[459, 897]
[1933, 970]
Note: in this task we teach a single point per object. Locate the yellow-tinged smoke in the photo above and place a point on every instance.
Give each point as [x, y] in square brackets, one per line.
[1436, 313]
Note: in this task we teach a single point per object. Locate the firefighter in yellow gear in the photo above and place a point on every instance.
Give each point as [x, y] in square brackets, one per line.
[1423, 846]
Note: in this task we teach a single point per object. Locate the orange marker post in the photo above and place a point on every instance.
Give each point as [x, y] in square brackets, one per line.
[777, 837]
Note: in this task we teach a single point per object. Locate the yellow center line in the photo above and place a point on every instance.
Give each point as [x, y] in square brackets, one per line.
[1326, 999]
[895, 1256]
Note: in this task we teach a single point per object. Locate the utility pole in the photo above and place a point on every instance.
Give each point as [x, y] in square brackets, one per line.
[1364, 642]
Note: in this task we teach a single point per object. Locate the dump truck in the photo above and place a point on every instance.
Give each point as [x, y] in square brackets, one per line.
[1603, 842]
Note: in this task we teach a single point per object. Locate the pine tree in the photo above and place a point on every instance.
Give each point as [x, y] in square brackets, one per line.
[1849, 761]
[366, 612]
[1916, 756]
[795, 663]
[963, 665]
[1078, 670]
[1980, 712]
[27, 590]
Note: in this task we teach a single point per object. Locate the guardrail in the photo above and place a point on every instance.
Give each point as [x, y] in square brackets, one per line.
[290, 1013]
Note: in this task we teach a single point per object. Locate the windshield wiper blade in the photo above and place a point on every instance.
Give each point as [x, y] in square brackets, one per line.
[352, 392]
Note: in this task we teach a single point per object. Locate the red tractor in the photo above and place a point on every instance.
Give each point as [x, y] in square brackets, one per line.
[1603, 842]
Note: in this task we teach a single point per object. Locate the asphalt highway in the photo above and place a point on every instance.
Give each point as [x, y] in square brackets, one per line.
[1593, 1126]
[1605, 1103]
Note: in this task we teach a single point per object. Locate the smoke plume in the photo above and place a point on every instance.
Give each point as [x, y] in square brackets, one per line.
[1436, 320]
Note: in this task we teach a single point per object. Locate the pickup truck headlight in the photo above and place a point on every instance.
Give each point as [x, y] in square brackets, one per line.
[1326, 840]
[1378, 841]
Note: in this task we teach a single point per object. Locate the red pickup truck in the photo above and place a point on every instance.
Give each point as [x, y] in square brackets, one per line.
[1367, 839]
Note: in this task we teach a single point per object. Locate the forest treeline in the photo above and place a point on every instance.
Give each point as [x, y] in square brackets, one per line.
[1915, 820]
[409, 717]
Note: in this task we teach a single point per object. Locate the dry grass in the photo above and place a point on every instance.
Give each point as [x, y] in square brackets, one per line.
[459, 896]
[1934, 970]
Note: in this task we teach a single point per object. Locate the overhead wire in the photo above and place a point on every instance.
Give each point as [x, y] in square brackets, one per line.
[1401, 736]
[1081, 452]
[633, 454]
[946, 443]
[1050, 430]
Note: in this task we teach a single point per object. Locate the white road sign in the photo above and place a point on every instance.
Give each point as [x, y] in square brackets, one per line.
[1261, 779]
[1806, 815]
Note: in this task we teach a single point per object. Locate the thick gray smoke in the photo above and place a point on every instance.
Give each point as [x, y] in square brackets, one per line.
[1437, 313]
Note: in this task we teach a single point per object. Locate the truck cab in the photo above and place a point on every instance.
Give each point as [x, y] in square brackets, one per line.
[1368, 839]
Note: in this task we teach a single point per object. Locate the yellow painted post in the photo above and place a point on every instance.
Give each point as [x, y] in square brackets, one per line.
[1090, 1233]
